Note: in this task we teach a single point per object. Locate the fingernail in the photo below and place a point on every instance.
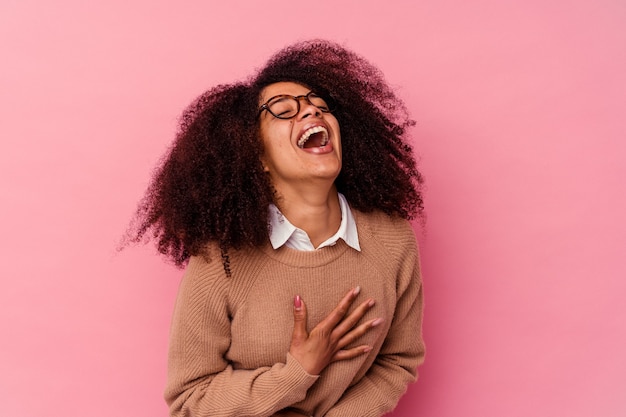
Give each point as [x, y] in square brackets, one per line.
[377, 322]
[297, 302]
[371, 303]
[357, 290]
[367, 349]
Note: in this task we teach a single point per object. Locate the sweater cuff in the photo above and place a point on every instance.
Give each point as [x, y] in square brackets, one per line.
[295, 381]
[297, 372]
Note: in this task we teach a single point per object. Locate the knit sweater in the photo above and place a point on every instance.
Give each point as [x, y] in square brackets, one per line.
[230, 336]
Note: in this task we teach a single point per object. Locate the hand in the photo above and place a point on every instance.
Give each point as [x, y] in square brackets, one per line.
[326, 342]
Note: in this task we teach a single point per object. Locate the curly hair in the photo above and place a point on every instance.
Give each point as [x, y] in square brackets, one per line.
[211, 186]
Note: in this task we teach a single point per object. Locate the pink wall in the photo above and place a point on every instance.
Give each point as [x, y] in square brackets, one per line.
[521, 134]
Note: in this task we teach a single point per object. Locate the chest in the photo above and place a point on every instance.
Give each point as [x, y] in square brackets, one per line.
[262, 321]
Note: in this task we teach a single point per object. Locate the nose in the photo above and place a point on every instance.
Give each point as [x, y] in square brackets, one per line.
[307, 109]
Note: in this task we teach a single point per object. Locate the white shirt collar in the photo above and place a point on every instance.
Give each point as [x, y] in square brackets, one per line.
[282, 232]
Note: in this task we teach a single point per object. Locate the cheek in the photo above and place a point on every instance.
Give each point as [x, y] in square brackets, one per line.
[275, 135]
[275, 139]
[337, 130]
[334, 123]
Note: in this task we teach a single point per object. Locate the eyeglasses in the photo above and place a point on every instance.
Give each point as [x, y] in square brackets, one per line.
[285, 106]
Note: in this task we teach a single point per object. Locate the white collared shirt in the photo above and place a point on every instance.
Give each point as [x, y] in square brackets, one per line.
[282, 232]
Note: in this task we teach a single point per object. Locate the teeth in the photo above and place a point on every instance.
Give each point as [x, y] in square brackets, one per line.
[306, 135]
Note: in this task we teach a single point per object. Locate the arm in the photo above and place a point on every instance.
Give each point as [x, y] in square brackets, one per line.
[403, 350]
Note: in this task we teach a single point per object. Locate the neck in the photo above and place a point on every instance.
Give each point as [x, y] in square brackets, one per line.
[315, 211]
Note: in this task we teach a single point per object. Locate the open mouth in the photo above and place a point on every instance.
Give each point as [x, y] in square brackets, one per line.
[316, 136]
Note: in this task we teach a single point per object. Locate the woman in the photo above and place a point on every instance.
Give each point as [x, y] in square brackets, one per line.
[287, 197]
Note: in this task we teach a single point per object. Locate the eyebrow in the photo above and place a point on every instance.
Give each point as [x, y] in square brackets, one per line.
[288, 95]
[280, 97]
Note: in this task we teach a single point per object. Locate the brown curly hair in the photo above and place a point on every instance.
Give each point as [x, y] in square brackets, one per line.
[211, 186]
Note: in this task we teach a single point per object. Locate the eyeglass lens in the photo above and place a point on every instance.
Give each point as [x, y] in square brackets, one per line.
[285, 107]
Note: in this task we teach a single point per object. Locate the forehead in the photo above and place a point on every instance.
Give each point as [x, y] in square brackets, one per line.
[283, 87]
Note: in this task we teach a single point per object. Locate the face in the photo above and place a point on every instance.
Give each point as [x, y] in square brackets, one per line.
[306, 147]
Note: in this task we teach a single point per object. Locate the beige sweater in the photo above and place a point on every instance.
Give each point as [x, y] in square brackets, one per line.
[230, 336]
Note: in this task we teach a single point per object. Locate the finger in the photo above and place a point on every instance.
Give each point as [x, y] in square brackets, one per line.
[358, 332]
[344, 354]
[300, 333]
[352, 319]
[340, 311]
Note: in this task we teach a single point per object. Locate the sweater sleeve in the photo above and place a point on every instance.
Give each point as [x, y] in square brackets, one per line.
[379, 391]
[200, 380]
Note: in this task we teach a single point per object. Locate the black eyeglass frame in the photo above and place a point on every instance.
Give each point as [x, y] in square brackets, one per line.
[329, 102]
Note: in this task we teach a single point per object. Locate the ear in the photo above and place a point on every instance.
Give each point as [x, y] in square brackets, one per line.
[264, 163]
[263, 159]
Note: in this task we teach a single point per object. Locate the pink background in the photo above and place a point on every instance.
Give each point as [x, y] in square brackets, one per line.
[521, 136]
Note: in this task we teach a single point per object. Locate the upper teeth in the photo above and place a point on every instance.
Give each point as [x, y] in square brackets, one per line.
[312, 131]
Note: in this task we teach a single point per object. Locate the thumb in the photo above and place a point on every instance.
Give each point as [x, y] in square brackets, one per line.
[299, 320]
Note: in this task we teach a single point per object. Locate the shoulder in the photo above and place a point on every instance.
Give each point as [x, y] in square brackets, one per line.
[204, 274]
[389, 230]
[207, 272]
[388, 241]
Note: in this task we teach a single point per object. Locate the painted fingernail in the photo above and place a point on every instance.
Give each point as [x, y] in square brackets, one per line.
[377, 322]
[297, 302]
[357, 290]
